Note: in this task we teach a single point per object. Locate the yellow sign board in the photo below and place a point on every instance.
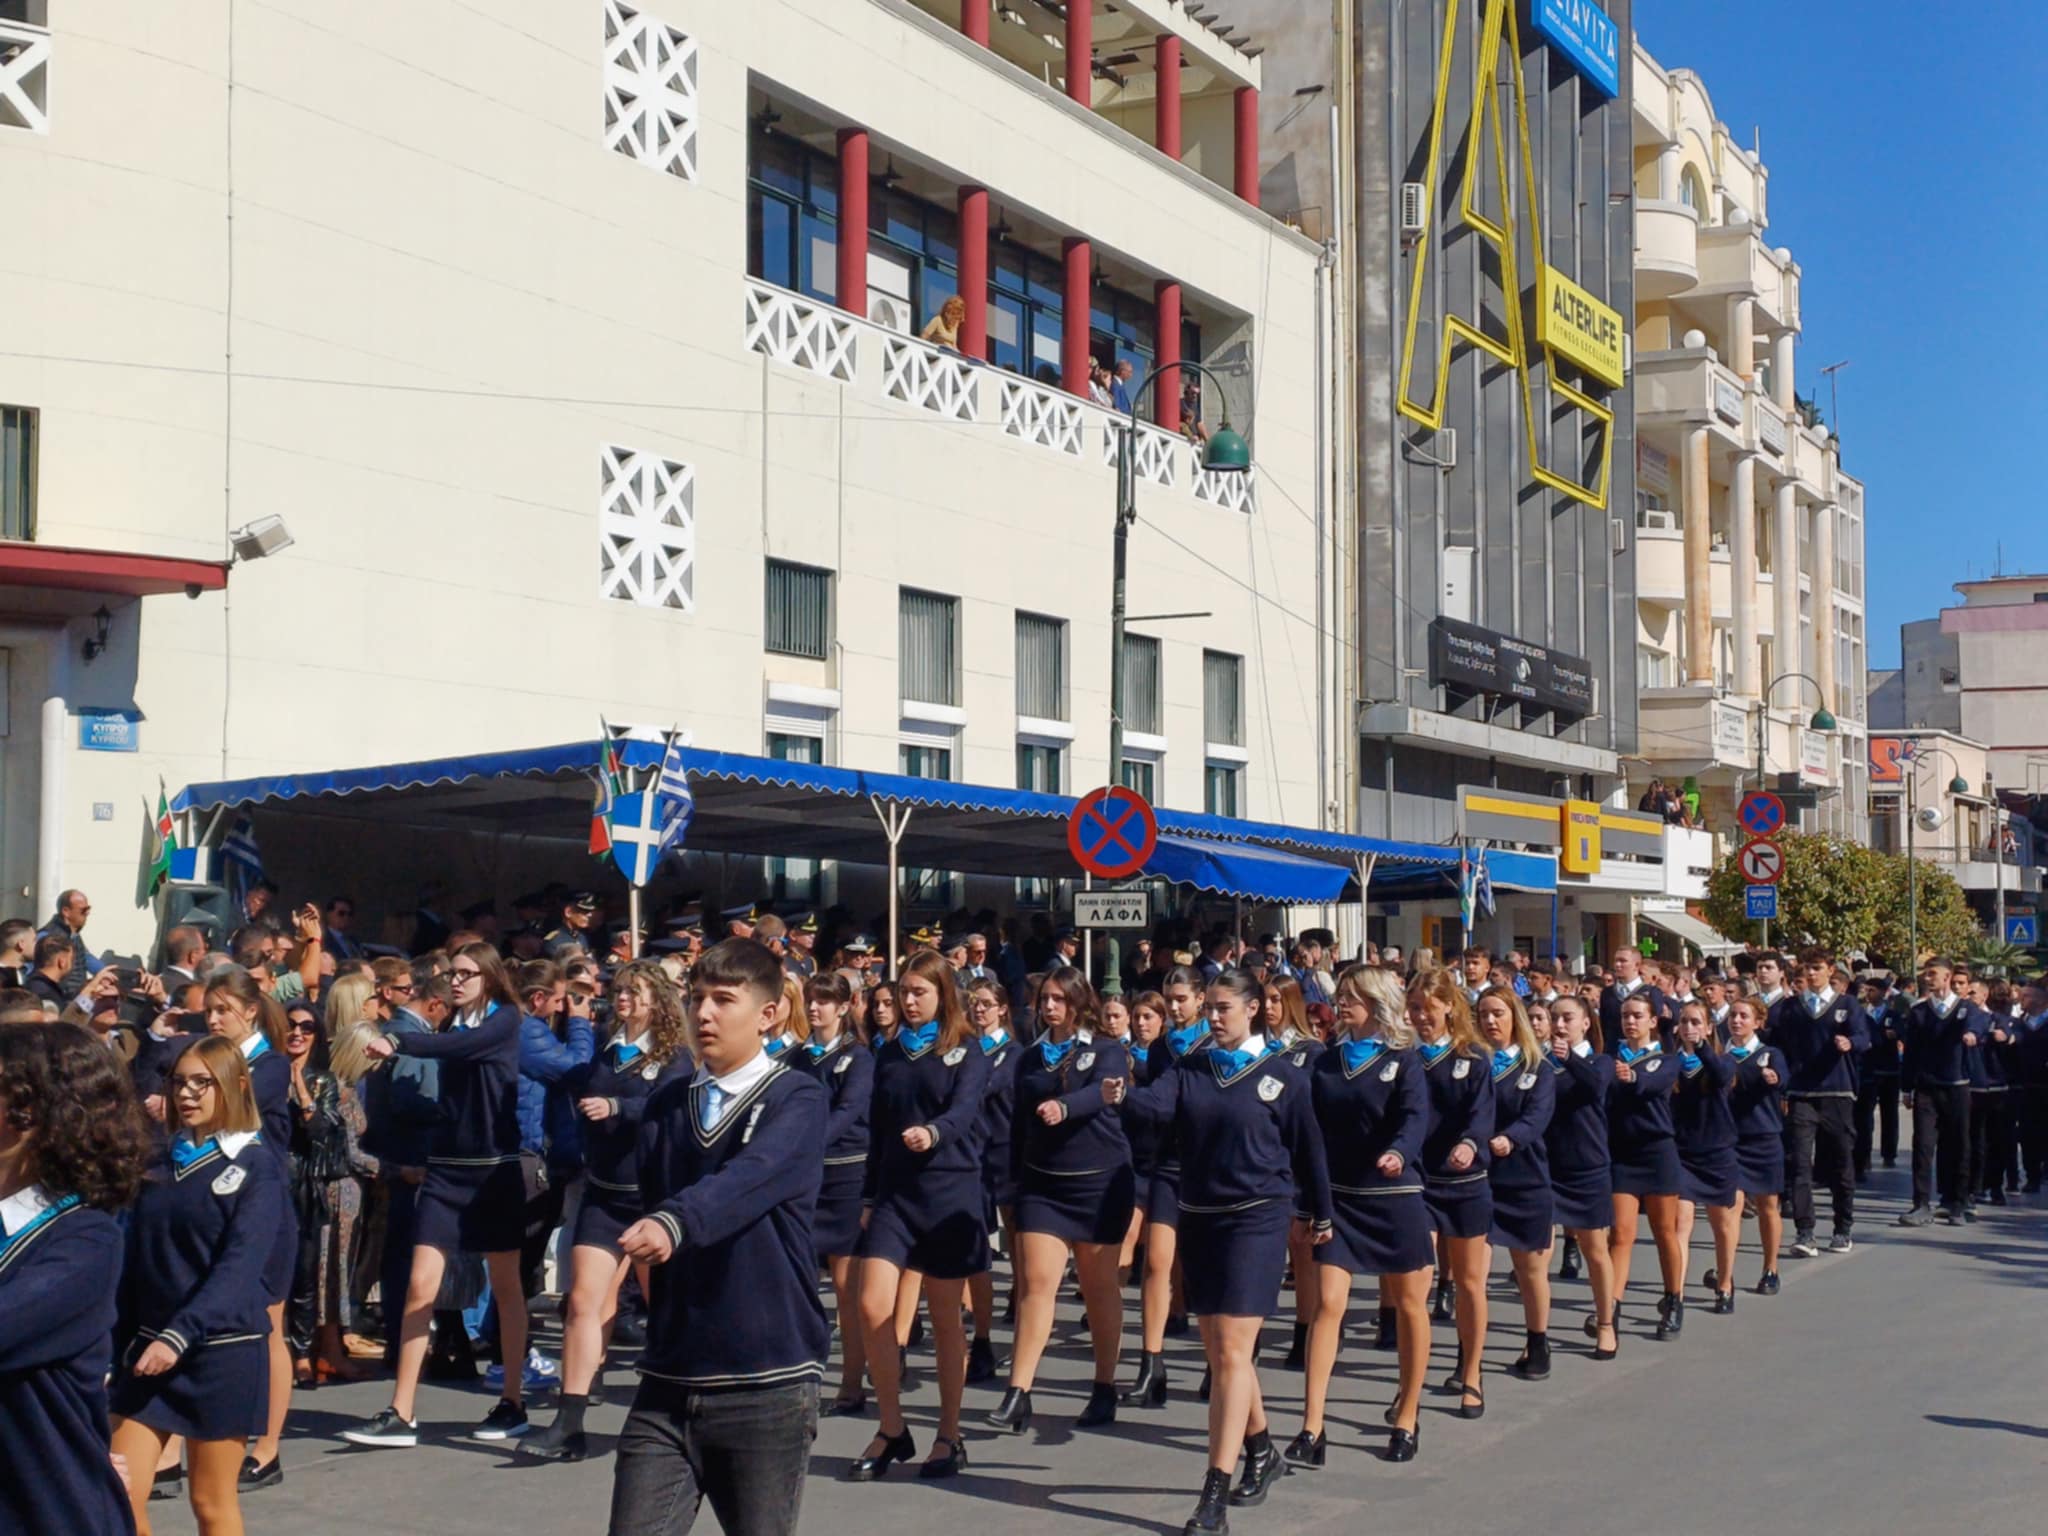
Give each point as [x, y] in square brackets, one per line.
[1571, 322]
[1580, 854]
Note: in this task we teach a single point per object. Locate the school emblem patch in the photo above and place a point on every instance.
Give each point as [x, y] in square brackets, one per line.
[1269, 1090]
[955, 1056]
[230, 1180]
[1387, 1072]
[1652, 1065]
[1301, 1058]
[1084, 1061]
[844, 1063]
[1461, 1067]
[1526, 1081]
[650, 1072]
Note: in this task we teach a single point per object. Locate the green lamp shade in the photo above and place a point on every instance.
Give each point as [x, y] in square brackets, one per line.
[1823, 721]
[1227, 452]
[1959, 785]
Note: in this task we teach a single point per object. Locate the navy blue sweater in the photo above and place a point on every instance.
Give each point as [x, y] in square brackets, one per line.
[1363, 1115]
[1639, 1111]
[479, 1088]
[1159, 1061]
[58, 1280]
[1246, 1139]
[1091, 1137]
[1577, 1138]
[197, 1241]
[1524, 1099]
[1758, 1106]
[847, 1074]
[1816, 1069]
[736, 1306]
[1935, 1056]
[611, 1146]
[1702, 1113]
[998, 1104]
[1611, 999]
[1460, 1110]
[1989, 1058]
[940, 1090]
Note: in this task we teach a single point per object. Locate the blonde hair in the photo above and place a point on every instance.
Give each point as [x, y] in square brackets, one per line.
[796, 1018]
[1381, 993]
[1519, 1027]
[1442, 987]
[348, 1031]
[237, 1094]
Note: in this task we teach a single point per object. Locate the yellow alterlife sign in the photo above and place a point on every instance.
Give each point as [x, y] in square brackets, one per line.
[1579, 853]
[1571, 322]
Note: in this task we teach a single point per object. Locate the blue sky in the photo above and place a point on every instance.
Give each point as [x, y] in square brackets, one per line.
[1904, 143]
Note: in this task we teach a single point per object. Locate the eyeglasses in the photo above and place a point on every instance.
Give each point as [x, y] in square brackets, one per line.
[457, 973]
[405, 988]
[191, 1085]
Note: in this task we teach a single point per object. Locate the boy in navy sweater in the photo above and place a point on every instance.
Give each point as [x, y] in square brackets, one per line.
[736, 1337]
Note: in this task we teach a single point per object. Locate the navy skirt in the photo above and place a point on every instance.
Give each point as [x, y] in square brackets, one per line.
[283, 1262]
[604, 1215]
[464, 1209]
[1162, 1198]
[1232, 1262]
[835, 1222]
[1381, 1234]
[1523, 1216]
[1077, 1208]
[214, 1392]
[934, 1228]
[1708, 1177]
[1583, 1198]
[1463, 1209]
[1647, 1170]
[1760, 1165]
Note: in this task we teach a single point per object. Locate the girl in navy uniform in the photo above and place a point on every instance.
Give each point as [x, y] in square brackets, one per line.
[923, 1199]
[1524, 1213]
[832, 1054]
[1251, 1157]
[647, 1048]
[1287, 1028]
[474, 1197]
[243, 1014]
[1759, 1108]
[190, 1346]
[1072, 1170]
[1372, 1111]
[72, 1150]
[787, 1043]
[1581, 1171]
[1644, 1148]
[1148, 1023]
[988, 1011]
[1456, 1154]
[1703, 1117]
[1187, 1033]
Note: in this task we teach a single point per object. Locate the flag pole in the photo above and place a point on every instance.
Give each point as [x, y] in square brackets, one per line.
[633, 922]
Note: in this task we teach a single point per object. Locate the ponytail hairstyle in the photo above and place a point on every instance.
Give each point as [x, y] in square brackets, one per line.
[237, 985]
[1572, 1002]
[495, 985]
[68, 1095]
[1246, 988]
[1519, 1027]
[933, 967]
[1439, 985]
[1082, 1008]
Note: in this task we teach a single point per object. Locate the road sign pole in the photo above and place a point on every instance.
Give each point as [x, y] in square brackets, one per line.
[1088, 936]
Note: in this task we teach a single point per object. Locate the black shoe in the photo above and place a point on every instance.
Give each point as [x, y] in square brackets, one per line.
[555, 1444]
[167, 1484]
[1768, 1286]
[1297, 1352]
[1212, 1510]
[386, 1430]
[1969, 1213]
[1534, 1364]
[981, 1362]
[848, 1407]
[1996, 1197]
[1804, 1246]
[1307, 1450]
[1724, 1303]
[1262, 1469]
[1919, 1216]
[1711, 1279]
[1402, 1444]
[1101, 1407]
[1672, 1322]
[1388, 1336]
[507, 1421]
[1471, 1410]
[1202, 1395]
[948, 1465]
[875, 1463]
[253, 1477]
[450, 1368]
[1443, 1305]
[1568, 1266]
[1176, 1325]
[1013, 1413]
[1592, 1323]
[1148, 1390]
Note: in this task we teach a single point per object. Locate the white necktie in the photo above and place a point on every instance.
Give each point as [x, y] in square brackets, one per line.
[714, 1106]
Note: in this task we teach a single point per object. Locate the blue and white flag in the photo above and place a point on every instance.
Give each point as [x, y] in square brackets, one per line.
[636, 835]
[672, 790]
[241, 862]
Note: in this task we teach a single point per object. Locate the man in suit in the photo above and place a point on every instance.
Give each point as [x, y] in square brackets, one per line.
[1628, 981]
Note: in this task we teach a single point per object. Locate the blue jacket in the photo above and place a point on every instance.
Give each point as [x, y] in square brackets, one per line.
[402, 1103]
[547, 1116]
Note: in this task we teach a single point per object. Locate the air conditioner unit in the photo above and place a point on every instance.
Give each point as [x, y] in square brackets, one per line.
[1657, 518]
[1414, 209]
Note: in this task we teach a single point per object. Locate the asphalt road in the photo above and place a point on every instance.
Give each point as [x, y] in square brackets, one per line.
[1898, 1388]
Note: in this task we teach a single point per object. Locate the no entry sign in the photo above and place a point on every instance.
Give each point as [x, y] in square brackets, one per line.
[1112, 832]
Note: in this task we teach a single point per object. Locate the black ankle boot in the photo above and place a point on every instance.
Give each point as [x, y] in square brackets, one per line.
[1568, 1268]
[1388, 1336]
[1443, 1308]
[1212, 1511]
[1263, 1467]
[1535, 1362]
[1297, 1352]
[1672, 1323]
[1013, 1413]
[1149, 1389]
[1101, 1407]
[981, 1362]
[1308, 1450]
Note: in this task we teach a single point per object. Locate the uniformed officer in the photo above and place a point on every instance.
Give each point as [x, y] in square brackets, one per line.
[799, 959]
[570, 939]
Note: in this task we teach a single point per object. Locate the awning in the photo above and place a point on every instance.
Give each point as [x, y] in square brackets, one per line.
[1685, 926]
[51, 581]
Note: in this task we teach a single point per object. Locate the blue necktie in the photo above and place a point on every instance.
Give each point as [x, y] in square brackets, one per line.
[920, 1037]
[1231, 1062]
[714, 1106]
[815, 1049]
[1360, 1054]
[1181, 1041]
[184, 1154]
[1137, 1051]
[1687, 1060]
[1741, 1052]
[626, 1054]
[1054, 1054]
[260, 1048]
[990, 1044]
[1432, 1054]
[776, 1046]
[1630, 1054]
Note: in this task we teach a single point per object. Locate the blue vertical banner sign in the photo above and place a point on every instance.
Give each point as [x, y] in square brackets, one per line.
[1586, 35]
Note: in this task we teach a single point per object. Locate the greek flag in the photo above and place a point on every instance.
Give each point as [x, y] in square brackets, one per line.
[240, 860]
[672, 790]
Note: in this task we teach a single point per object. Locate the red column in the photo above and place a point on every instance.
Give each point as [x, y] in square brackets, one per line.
[1074, 313]
[852, 265]
[974, 267]
[1166, 101]
[974, 20]
[1247, 144]
[1081, 51]
[1166, 321]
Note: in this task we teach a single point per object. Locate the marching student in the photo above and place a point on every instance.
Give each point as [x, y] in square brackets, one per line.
[1456, 1155]
[1148, 1026]
[1877, 1093]
[1581, 1169]
[923, 1204]
[988, 1011]
[1286, 1028]
[1251, 1157]
[1524, 1212]
[1820, 1035]
[190, 1350]
[72, 1152]
[1991, 1139]
[1759, 1138]
[649, 1045]
[1187, 1033]
[794, 1017]
[1703, 1122]
[1071, 1167]
[1372, 1112]
[474, 1196]
[1934, 1082]
[2030, 1060]
[736, 1338]
[1644, 1148]
[1771, 985]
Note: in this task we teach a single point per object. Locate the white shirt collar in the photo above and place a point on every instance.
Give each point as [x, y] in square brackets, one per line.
[1583, 1048]
[250, 1043]
[232, 1142]
[1626, 987]
[1773, 995]
[1256, 1044]
[23, 1207]
[739, 1079]
[1824, 997]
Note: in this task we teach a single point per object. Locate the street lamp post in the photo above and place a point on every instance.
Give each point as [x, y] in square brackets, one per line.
[1822, 721]
[1956, 786]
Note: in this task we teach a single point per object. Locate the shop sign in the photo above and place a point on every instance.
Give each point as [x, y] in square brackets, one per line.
[1586, 35]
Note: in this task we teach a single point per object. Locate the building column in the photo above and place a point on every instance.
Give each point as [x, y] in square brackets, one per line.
[1699, 570]
[1081, 51]
[851, 294]
[1668, 162]
[1245, 160]
[1782, 383]
[974, 20]
[1741, 336]
[1166, 323]
[1075, 317]
[1742, 576]
[974, 264]
[1785, 575]
[1166, 99]
[1824, 602]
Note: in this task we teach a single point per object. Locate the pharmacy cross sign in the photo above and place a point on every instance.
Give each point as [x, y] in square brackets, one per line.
[1111, 832]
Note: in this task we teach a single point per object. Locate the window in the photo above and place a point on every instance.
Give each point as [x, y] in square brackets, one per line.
[1653, 668]
[1041, 668]
[1038, 767]
[1222, 699]
[17, 472]
[1219, 788]
[1693, 192]
[1142, 774]
[794, 880]
[1141, 685]
[920, 762]
[647, 529]
[928, 648]
[799, 618]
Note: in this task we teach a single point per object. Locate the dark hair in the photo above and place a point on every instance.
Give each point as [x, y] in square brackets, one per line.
[1771, 955]
[1184, 976]
[537, 976]
[61, 1086]
[1814, 954]
[1243, 986]
[234, 982]
[929, 965]
[828, 987]
[739, 963]
[1083, 1007]
[497, 984]
[248, 947]
[1591, 1016]
[12, 930]
[49, 947]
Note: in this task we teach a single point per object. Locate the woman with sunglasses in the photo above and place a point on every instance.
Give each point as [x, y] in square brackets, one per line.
[1703, 1118]
[1644, 1146]
[72, 1150]
[1524, 1211]
[833, 1057]
[1581, 1166]
[474, 1196]
[988, 1012]
[189, 1346]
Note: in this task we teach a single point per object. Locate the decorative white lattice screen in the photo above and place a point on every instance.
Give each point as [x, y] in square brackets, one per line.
[647, 530]
[650, 90]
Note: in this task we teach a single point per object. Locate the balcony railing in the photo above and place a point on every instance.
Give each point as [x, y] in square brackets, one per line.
[24, 77]
[1156, 454]
[1047, 417]
[939, 381]
[801, 332]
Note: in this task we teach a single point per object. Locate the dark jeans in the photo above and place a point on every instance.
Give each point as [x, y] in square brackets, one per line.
[746, 1451]
[2033, 1118]
[1941, 1129]
[1821, 1132]
[1877, 1109]
[1990, 1141]
[394, 1272]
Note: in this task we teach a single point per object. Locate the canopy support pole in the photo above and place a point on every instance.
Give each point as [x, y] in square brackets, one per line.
[633, 922]
[1362, 866]
[895, 819]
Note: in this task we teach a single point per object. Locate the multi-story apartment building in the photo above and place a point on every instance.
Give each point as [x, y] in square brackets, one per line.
[1980, 670]
[577, 342]
[1748, 533]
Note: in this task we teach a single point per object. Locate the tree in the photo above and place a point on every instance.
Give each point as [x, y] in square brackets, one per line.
[1943, 922]
[1995, 957]
[1829, 895]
